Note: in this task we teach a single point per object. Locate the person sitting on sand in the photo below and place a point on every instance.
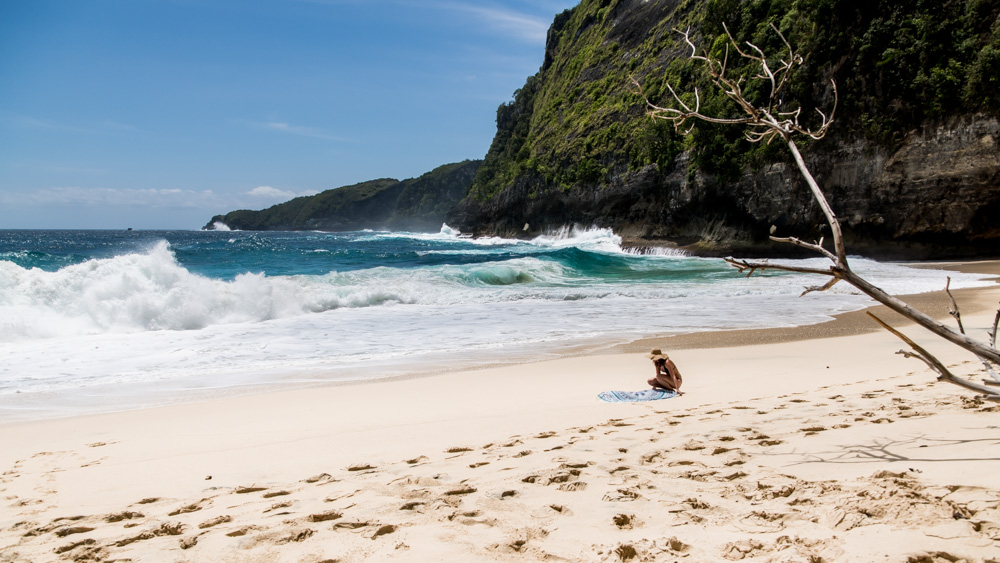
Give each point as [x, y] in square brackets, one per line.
[667, 375]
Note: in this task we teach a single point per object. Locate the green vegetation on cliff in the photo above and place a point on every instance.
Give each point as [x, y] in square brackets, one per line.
[576, 124]
[419, 204]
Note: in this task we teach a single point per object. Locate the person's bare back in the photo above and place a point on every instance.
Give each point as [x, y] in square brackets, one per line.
[667, 375]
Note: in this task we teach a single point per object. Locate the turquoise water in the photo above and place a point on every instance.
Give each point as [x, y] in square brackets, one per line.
[99, 320]
[227, 254]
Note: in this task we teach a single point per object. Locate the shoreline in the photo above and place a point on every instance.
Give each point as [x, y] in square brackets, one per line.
[936, 304]
[821, 441]
[81, 403]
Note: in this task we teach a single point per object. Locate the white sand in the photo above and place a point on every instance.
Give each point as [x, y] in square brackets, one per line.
[829, 449]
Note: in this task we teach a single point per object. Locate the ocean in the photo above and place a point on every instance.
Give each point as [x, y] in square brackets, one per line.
[97, 321]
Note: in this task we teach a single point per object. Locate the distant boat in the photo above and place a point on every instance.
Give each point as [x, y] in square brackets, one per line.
[130, 228]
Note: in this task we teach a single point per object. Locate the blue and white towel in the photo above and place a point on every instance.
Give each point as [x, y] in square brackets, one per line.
[636, 396]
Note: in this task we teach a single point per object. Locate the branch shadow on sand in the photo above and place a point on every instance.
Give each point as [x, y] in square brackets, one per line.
[901, 450]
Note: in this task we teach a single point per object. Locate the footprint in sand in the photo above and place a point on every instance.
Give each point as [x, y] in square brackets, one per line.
[621, 495]
[760, 521]
[248, 490]
[384, 530]
[321, 478]
[71, 530]
[193, 507]
[693, 446]
[461, 491]
[278, 506]
[414, 505]
[685, 462]
[624, 521]
[327, 516]
[240, 532]
[283, 537]
[742, 549]
[165, 529]
[100, 444]
[557, 509]
[122, 516]
[360, 467]
[225, 519]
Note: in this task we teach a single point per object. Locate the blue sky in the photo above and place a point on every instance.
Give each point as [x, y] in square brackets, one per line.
[158, 114]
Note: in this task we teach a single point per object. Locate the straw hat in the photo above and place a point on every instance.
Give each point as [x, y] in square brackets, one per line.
[657, 354]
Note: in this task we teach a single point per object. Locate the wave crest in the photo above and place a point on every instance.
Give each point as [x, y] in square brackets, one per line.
[139, 292]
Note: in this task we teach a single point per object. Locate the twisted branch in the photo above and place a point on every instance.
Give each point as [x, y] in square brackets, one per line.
[954, 312]
[943, 373]
[776, 120]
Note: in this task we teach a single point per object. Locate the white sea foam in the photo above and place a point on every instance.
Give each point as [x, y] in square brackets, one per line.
[141, 322]
[151, 291]
[134, 293]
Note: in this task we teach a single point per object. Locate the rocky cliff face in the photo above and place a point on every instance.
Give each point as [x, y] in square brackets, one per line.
[938, 192]
[912, 168]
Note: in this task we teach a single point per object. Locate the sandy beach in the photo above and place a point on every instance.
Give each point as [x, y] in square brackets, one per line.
[808, 444]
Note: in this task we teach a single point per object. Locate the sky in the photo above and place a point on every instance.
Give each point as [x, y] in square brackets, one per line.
[159, 114]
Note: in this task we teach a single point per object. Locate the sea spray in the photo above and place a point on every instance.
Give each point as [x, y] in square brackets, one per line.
[163, 316]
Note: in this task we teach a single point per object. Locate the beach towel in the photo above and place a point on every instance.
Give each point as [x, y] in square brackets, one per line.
[635, 396]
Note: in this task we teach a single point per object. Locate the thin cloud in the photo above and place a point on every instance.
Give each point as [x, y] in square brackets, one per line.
[73, 195]
[290, 129]
[34, 123]
[116, 126]
[331, 2]
[157, 198]
[27, 122]
[267, 192]
[518, 24]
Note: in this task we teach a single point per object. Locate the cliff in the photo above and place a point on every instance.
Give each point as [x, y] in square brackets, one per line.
[418, 204]
[911, 165]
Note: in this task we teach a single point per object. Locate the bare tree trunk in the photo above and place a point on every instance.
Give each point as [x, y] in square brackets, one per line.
[764, 123]
[978, 348]
[831, 217]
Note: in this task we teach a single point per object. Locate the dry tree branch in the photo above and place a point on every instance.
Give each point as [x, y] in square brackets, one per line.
[744, 265]
[918, 351]
[943, 373]
[924, 320]
[993, 333]
[816, 247]
[774, 120]
[833, 281]
[953, 311]
[765, 124]
[993, 344]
